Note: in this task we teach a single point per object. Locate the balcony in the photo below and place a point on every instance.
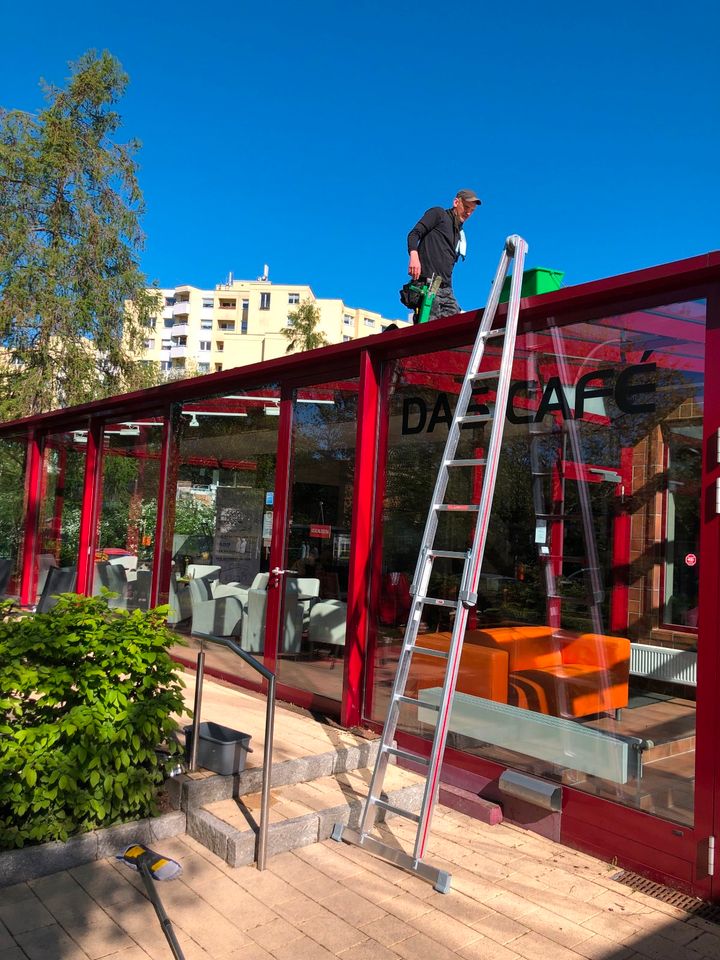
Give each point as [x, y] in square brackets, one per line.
[177, 352]
[180, 329]
[181, 308]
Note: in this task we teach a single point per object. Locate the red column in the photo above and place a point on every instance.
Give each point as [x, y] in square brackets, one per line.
[361, 536]
[33, 476]
[90, 508]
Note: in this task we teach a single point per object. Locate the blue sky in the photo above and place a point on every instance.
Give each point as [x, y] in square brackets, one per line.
[311, 136]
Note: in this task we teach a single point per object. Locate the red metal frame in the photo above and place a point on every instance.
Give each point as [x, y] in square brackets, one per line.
[361, 539]
[88, 513]
[33, 490]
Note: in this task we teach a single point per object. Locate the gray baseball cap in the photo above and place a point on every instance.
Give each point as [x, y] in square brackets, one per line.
[469, 196]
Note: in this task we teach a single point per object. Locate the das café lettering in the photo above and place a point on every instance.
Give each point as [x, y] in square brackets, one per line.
[629, 388]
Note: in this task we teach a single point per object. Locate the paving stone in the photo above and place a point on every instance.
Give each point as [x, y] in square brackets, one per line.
[332, 932]
[388, 930]
[274, 934]
[500, 928]
[422, 947]
[447, 930]
[405, 906]
[12, 953]
[304, 949]
[600, 948]
[97, 937]
[368, 950]
[24, 915]
[356, 909]
[51, 941]
[533, 946]
[486, 949]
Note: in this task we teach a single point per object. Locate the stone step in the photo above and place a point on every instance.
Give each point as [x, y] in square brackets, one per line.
[190, 791]
[301, 813]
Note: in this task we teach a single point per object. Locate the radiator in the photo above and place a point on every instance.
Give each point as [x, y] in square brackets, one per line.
[664, 663]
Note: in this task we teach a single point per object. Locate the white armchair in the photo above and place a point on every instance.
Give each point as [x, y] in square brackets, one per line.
[222, 616]
[178, 601]
[254, 625]
[196, 571]
[327, 623]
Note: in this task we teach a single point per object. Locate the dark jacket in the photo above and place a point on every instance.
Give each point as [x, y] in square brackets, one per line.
[435, 237]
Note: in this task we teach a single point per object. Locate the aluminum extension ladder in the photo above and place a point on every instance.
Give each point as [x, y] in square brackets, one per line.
[515, 248]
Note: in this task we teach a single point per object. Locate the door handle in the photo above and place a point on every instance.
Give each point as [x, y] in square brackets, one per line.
[276, 573]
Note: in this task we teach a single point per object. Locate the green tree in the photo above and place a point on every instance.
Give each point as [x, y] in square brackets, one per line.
[69, 247]
[303, 333]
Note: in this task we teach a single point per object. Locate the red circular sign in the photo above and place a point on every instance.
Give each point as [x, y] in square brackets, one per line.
[690, 560]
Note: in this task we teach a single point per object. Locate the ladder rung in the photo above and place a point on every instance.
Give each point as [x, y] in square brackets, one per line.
[407, 755]
[554, 516]
[500, 332]
[447, 554]
[438, 602]
[431, 652]
[479, 462]
[458, 507]
[485, 375]
[475, 418]
[414, 702]
[408, 814]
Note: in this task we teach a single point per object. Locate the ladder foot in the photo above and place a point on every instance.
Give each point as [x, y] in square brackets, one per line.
[337, 832]
[442, 884]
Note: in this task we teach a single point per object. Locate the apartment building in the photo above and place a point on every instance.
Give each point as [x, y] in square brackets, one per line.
[240, 322]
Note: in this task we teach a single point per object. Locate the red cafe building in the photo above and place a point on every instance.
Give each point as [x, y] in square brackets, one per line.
[600, 679]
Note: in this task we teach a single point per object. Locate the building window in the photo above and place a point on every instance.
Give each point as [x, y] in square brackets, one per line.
[168, 322]
[208, 303]
[218, 367]
[369, 322]
[264, 301]
[290, 321]
[245, 309]
[348, 320]
[206, 324]
[227, 304]
[228, 326]
[243, 325]
[203, 368]
[151, 323]
[293, 298]
[169, 301]
[346, 338]
[179, 341]
[205, 345]
[150, 343]
[166, 345]
[220, 345]
[165, 364]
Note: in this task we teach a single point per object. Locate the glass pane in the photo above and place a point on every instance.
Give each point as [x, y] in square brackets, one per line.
[580, 658]
[126, 530]
[224, 493]
[323, 473]
[12, 490]
[63, 472]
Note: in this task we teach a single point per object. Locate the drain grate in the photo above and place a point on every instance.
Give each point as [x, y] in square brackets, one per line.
[698, 908]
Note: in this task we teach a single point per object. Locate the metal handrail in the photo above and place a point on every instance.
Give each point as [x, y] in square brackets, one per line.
[269, 728]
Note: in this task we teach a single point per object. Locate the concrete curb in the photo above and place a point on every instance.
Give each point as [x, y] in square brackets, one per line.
[29, 863]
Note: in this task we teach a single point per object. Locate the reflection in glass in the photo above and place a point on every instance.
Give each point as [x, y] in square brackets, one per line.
[12, 483]
[224, 493]
[63, 469]
[579, 661]
[124, 544]
[318, 550]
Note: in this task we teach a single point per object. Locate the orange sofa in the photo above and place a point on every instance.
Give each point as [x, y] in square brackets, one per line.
[557, 672]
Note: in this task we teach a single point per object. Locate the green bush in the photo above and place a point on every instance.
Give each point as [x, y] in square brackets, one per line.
[86, 696]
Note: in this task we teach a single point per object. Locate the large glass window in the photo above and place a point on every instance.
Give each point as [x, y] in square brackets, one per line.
[12, 487]
[125, 536]
[63, 470]
[580, 658]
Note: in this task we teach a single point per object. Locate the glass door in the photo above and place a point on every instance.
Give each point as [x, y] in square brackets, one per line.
[316, 551]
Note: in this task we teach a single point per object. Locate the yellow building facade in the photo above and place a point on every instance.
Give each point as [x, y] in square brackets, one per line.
[240, 322]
